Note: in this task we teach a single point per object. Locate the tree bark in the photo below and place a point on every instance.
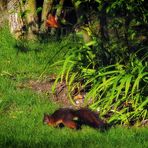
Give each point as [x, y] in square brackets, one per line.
[103, 23]
[47, 5]
[3, 10]
[31, 17]
[14, 18]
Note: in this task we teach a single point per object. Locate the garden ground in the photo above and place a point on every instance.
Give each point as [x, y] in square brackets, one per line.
[23, 101]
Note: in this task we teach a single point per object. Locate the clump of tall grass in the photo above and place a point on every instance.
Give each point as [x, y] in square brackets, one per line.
[117, 90]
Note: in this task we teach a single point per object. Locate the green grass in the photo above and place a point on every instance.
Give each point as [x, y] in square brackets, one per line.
[21, 110]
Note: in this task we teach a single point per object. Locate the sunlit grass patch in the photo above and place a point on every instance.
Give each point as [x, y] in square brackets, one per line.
[22, 109]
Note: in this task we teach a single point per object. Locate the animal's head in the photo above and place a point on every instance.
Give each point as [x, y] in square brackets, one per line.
[47, 119]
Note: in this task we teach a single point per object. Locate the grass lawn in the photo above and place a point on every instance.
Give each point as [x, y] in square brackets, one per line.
[21, 110]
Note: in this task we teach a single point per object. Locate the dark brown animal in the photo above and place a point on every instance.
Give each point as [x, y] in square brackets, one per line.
[74, 118]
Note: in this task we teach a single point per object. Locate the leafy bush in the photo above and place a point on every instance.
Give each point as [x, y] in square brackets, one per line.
[117, 90]
[112, 68]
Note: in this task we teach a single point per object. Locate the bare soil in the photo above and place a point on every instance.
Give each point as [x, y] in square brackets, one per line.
[60, 96]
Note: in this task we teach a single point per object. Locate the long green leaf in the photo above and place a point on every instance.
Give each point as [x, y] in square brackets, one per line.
[144, 103]
[114, 88]
[120, 87]
[137, 82]
[128, 83]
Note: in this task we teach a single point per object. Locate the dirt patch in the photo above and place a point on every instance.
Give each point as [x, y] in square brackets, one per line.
[60, 96]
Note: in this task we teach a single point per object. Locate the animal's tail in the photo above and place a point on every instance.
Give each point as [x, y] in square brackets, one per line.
[90, 118]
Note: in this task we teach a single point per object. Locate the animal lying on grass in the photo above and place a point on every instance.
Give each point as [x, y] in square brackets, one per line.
[74, 119]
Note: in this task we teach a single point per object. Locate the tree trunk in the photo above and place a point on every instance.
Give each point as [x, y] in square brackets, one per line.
[3, 5]
[31, 17]
[22, 18]
[103, 23]
[3, 10]
[15, 21]
[47, 5]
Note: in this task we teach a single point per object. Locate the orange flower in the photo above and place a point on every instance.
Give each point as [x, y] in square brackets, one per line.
[52, 22]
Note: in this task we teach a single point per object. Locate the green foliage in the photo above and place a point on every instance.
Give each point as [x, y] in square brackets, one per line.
[39, 10]
[131, 7]
[22, 109]
[112, 69]
[121, 91]
[117, 89]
